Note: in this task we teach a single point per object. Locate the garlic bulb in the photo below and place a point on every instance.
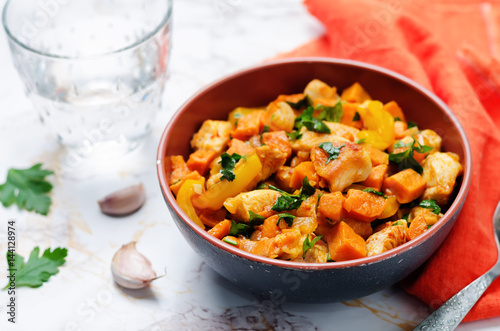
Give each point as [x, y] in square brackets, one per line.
[123, 202]
[131, 269]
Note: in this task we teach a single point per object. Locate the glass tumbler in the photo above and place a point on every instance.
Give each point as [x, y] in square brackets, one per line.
[95, 70]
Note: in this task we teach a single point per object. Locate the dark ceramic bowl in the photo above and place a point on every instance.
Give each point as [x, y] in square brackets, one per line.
[312, 282]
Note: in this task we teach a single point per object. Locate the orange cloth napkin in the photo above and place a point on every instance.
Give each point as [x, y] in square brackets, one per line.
[451, 47]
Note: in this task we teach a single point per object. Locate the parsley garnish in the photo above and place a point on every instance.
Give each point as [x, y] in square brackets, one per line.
[406, 160]
[38, 269]
[412, 124]
[331, 114]
[256, 219]
[430, 204]
[397, 119]
[230, 241]
[356, 117]
[307, 245]
[329, 258]
[333, 152]
[305, 102]
[360, 141]
[228, 162]
[289, 201]
[400, 144]
[371, 190]
[288, 218]
[428, 227]
[294, 135]
[28, 189]
[311, 123]
[398, 222]
[240, 228]
[405, 217]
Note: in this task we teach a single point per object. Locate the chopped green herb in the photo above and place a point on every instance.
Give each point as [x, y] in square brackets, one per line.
[371, 190]
[406, 160]
[307, 245]
[302, 103]
[289, 201]
[317, 202]
[311, 123]
[264, 130]
[405, 217]
[238, 115]
[398, 222]
[356, 117]
[400, 144]
[294, 135]
[28, 189]
[307, 190]
[230, 241]
[240, 228]
[330, 114]
[38, 269]
[360, 141]
[329, 258]
[333, 152]
[412, 124]
[430, 204]
[397, 119]
[256, 219]
[288, 218]
[428, 227]
[262, 186]
[228, 162]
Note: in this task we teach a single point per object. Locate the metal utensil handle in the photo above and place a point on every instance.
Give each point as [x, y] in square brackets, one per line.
[452, 312]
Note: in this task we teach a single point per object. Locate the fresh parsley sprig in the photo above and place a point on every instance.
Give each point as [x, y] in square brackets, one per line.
[289, 201]
[288, 218]
[333, 152]
[228, 162]
[302, 103]
[307, 245]
[38, 269]
[28, 188]
[430, 204]
[330, 114]
[310, 122]
[406, 160]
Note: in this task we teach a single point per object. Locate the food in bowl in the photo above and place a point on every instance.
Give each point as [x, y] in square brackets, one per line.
[315, 177]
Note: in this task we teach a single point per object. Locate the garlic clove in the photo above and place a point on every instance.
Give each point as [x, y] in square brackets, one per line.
[123, 202]
[131, 269]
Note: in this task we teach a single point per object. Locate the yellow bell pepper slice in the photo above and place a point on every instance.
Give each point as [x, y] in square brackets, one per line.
[189, 189]
[391, 208]
[379, 124]
[245, 171]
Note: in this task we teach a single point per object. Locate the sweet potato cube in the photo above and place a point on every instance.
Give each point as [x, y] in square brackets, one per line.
[221, 229]
[400, 129]
[350, 111]
[406, 185]
[330, 207]
[364, 229]
[344, 244]
[278, 140]
[212, 217]
[270, 228]
[376, 155]
[249, 125]
[355, 93]
[417, 227]
[364, 206]
[179, 173]
[376, 177]
[239, 147]
[305, 169]
[394, 109]
[200, 160]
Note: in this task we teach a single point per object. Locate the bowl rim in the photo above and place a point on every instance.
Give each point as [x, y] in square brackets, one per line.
[454, 208]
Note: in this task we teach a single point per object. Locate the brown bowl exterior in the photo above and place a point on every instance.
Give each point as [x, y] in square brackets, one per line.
[312, 282]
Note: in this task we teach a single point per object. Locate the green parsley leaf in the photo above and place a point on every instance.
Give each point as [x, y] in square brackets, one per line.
[311, 123]
[265, 129]
[429, 226]
[371, 190]
[302, 103]
[228, 162]
[294, 135]
[400, 144]
[329, 258]
[333, 152]
[238, 115]
[307, 245]
[240, 228]
[406, 160]
[412, 124]
[288, 218]
[230, 241]
[37, 270]
[397, 119]
[430, 204]
[256, 219]
[356, 117]
[289, 201]
[331, 114]
[307, 190]
[405, 217]
[28, 189]
[360, 141]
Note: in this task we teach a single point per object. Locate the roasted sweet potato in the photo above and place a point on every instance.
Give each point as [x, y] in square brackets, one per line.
[406, 185]
[345, 244]
[221, 229]
[376, 177]
[200, 160]
[364, 206]
[330, 208]
[305, 169]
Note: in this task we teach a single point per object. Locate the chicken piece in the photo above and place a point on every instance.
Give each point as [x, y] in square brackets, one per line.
[316, 254]
[342, 130]
[310, 139]
[363, 229]
[427, 214]
[283, 178]
[352, 165]
[429, 138]
[279, 116]
[299, 158]
[441, 171]
[388, 238]
[273, 153]
[308, 207]
[258, 201]
[213, 135]
[306, 225]
[317, 89]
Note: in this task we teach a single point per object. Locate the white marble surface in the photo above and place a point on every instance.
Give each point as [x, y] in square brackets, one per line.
[211, 38]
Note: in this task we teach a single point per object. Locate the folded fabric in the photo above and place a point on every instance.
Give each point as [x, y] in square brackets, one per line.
[451, 48]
